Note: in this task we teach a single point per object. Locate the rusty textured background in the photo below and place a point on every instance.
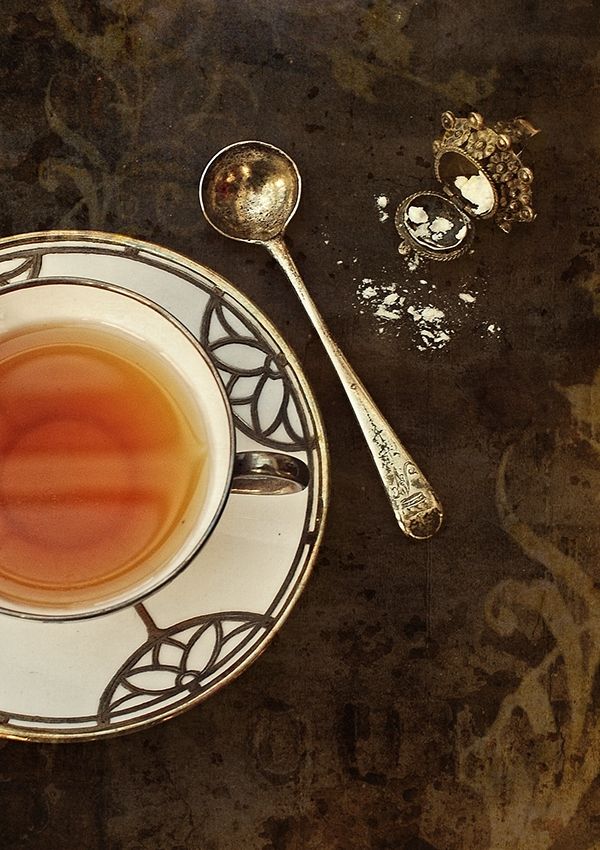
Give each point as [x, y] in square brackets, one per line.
[421, 697]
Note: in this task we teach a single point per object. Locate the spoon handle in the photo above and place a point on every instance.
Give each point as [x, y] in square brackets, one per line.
[417, 508]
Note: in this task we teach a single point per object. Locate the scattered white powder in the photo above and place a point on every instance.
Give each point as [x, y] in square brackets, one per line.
[491, 330]
[432, 314]
[384, 313]
[409, 301]
[369, 292]
[391, 306]
[437, 315]
[382, 202]
[433, 330]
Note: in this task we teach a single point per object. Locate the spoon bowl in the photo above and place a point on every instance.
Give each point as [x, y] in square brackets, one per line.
[249, 191]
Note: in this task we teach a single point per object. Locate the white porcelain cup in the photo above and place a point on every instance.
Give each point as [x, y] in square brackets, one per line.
[127, 315]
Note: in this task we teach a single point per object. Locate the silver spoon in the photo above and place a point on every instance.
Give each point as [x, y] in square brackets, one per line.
[249, 191]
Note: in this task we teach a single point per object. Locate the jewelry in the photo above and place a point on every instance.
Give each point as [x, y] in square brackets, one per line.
[482, 176]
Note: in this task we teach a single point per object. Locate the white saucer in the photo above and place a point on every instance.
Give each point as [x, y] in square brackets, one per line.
[142, 665]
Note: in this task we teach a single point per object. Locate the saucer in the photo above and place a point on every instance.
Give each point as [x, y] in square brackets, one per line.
[124, 671]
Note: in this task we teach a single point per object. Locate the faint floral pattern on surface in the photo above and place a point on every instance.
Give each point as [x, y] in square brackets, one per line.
[368, 43]
[524, 777]
[128, 135]
[382, 48]
[493, 702]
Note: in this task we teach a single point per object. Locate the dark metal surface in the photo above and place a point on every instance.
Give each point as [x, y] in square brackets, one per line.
[440, 695]
[269, 473]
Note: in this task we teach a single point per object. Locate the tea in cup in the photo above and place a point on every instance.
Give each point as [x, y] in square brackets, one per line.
[117, 449]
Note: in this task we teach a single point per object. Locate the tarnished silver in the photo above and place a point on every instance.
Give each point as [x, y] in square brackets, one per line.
[481, 176]
[268, 474]
[249, 191]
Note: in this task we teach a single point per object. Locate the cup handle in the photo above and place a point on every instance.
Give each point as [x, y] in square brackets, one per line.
[268, 474]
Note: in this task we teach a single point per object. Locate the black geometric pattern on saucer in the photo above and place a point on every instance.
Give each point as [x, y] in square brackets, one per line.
[188, 655]
[181, 661]
[222, 331]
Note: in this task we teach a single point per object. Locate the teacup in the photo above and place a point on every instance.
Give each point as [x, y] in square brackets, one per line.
[117, 449]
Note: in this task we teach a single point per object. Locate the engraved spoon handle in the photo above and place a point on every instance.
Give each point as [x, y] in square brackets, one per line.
[417, 508]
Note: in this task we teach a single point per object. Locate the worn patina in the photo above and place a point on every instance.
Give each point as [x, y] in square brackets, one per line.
[421, 696]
